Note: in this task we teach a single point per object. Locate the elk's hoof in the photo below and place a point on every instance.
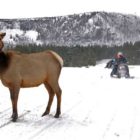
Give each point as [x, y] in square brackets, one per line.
[14, 119]
[56, 116]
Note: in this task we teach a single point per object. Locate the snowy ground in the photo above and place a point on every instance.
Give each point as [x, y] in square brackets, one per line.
[94, 107]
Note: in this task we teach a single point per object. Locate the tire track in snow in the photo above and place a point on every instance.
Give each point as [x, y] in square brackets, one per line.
[122, 127]
[4, 115]
[6, 119]
[4, 112]
[133, 125]
[53, 123]
[66, 121]
[7, 122]
[24, 125]
[109, 125]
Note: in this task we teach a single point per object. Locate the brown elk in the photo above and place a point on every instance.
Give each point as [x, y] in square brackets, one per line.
[18, 70]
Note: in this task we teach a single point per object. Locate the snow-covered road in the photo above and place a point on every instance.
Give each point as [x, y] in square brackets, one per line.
[94, 107]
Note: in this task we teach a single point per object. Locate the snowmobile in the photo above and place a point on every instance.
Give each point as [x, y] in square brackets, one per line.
[123, 71]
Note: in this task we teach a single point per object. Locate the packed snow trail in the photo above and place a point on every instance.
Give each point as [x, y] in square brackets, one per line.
[94, 106]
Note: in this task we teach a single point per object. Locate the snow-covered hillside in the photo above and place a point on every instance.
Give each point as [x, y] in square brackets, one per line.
[95, 28]
[94, 107]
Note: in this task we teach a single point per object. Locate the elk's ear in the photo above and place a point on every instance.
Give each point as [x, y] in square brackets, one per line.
[2, 35]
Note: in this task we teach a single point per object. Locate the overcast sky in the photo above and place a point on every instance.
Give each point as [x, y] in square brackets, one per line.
[48, 8]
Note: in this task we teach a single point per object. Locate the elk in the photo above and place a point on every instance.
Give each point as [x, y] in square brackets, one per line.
[20, 70]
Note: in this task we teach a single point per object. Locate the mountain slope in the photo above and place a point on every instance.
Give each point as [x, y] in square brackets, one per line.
[82, 29]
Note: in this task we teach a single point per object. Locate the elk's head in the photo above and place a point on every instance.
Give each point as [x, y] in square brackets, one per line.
[1, 38]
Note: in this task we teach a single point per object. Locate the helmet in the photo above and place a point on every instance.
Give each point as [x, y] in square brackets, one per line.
[119, 54]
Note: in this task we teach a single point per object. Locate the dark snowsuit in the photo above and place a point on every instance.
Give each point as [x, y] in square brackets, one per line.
[110, 63]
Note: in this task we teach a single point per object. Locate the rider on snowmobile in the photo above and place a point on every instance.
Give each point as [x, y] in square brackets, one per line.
[119, 59]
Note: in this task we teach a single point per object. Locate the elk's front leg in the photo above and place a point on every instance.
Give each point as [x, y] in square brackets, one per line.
[14, 92]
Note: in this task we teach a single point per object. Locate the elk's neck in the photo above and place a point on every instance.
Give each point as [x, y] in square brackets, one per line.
[4, 61]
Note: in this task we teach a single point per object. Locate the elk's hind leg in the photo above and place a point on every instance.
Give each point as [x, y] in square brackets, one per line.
[57, 90]
[51, 96]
